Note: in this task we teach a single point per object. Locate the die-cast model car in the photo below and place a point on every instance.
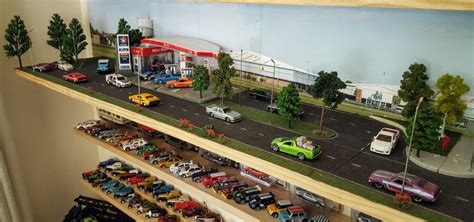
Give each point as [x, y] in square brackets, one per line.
[144, 99]
[296, 146]
[75, 77]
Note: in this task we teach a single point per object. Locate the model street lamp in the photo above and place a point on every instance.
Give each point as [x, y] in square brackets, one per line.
[240, 86]
[273, 89]
[409, 145]
[31, 52]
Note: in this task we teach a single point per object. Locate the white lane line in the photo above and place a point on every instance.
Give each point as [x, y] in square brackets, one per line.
[368, 131]
[185, 110]
[227, 124]
[261, 134]
[311, 114]
[331, 118]
[331, 157]
[460, 198]
[356, 165]
[243, 129]
[210, 118]
[197, 114]
[352, 124]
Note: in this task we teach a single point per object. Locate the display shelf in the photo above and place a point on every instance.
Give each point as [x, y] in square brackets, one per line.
[465, 5]
[170, 179]
[116, 203]
[279, 171]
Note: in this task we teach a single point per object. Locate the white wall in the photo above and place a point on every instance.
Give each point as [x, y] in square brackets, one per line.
[43, 156]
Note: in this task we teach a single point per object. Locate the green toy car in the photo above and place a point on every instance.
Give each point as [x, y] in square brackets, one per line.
[296, 146]
[146, 148]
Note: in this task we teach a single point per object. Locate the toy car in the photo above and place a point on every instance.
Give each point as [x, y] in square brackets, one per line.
[223, 112]
[309, 197]
[209, 181]
[121, 141]
[219, 159]
[148, 75]
[114, 188]
[228, 192]
[199, 175]
[161, 190]
[95, 130]
[134, 144]
[179, 207]
[148, 188]
[180, 199]
[87, 124]
[180, 83]
[63, 65]
[103, 66]
[43, 67]
[144, 99]
[137, 201]
[207, 217]
[146, 148]
[137, 179]
[224, 182]
[116, 137]
[169, 162]
[114, 166]
[146, 181]
[189, 170]
[279, 206]
[94, 177]
[162, 156]
[106, 134]
[262, 95]
[148, 154]
[148, 131]
[385, 141]
[123, 192]
[117, 80]
[129, 197]
[155, 212]
[190, 212]
[293, 214]
[146, 206]
[168, 218]
[180, 144]
[124, 174]
[419, 188]
[160, 79]
[246, 194]
[255, 173]
[170, 195]
[75, 77]
[262, 201]
[87, 174]
[99, 180]
[296, 146]
[175, 168]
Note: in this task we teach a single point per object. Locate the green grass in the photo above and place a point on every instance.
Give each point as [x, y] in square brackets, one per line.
[103, 51]
[298, 167]
[297, 126]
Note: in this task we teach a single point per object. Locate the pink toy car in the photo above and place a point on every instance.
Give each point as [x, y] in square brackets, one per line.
[419, 188]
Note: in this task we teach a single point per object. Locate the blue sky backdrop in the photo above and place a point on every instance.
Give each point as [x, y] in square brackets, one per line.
[361, 44]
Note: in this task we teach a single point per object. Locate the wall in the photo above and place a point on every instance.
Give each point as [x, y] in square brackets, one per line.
[43, 156]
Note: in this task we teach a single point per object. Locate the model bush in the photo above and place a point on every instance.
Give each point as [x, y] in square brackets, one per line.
[200, 79]
[18, 41]
[288, 104]
[413, 86]
[449, 103]
[326, 87]
[427, 129]
[221, 77]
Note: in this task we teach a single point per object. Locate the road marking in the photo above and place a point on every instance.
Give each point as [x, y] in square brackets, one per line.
[210, 118]
[368, 131]
[185, 110]
[331, 118]
[353, 124]
[227, 124]
[261, 134]
[460, 198]
[356, 165]
[243, 129]
[311, 114]
[197, 114]
[171, 106]
[102, 84]
[331, 157]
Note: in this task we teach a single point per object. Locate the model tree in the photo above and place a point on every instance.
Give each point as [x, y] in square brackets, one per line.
[288, 103]
[200, 79]
[135, 36]
[449, 102]
[326, 87]
[56, 33]
[413, 86]
[18, 41]
[221, 77]
[74, 40]
[426, 133]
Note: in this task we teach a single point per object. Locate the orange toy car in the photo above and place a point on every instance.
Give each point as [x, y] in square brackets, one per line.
[180, 83]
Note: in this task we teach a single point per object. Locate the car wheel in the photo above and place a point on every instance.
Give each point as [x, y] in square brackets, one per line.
[301, 156]
[154, 162]
[127, 149]
[212, 115]
[304, 220]
[198, 181]
[275, 215]
[378, 185]
[275, 147]
[416, 198]
[227, 119]
[163, 166]
[129, 206]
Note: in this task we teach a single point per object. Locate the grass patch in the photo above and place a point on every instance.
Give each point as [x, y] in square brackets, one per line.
[103, 51]
[298, 167]
[297, 126]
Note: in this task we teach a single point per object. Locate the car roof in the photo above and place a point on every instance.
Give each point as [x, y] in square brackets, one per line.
[284, 202]
[295, 209]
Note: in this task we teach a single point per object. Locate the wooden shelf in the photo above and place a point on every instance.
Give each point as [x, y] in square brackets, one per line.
[338, 195]
[464, 5]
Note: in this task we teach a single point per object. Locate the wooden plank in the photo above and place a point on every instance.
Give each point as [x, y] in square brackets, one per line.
[346, 198]
[463, 5]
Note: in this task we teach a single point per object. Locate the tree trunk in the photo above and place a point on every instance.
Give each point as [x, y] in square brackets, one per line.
[289, 124]
[417, 153]
[444, 123]
[321, 121]
[200, 94]
[77, 58]
[222, 99]
[19, 62]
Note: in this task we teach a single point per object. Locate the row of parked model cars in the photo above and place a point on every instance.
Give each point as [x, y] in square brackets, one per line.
[122, 181]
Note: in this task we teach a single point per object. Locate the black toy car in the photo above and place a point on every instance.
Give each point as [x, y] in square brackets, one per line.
[262, 201]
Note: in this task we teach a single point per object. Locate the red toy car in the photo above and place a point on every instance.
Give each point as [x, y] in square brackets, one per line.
[168, 218]
[178, 207]
[43, 67]
[419, 188]
[137, 179]
[255, 173]
[90, 173]
[210, 180]
[124, 139]
[148, 131]
[75, 77]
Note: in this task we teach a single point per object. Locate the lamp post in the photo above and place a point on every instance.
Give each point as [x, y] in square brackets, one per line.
[31, 52]
[240, 85]
[409, 145]
[273, 89]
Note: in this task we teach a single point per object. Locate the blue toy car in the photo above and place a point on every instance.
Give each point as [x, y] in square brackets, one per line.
[103, 66]
[293, 214]
[106, 133]
[123, 192]
[106, 163]
[162, 79]
[115, 188]
[162, 190]
[148, 75]
[108, 184]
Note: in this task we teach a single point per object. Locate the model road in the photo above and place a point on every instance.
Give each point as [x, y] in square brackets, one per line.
[345, 156]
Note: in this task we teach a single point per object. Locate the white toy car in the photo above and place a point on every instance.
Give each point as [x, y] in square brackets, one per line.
[134, 144]
[310, 197]
[114, 166]
[175, 168]
[63, 65]
[117, 80]
[385, 141]
[87, 124]
[189, 170]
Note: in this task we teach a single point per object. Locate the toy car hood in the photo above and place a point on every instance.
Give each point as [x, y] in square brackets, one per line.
[380, 146]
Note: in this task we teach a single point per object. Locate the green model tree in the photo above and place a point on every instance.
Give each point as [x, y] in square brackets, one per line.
[123, 27]
[18, 41]
[56, 33]
[449, 102]
[135, 36]
[326, 87]
[200, 79]
[74, 40]
[413, 86]
[221, 77]
[288, 103]
[426, 134]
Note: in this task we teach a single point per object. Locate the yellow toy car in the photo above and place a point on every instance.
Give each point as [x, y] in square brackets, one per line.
[167, 196]
[144, 99]
[147, 181]
[279, 206]
[168, 162]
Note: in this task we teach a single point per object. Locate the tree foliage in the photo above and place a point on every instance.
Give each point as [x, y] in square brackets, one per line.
[288, 104]
[57, 33]
[326, 87]
[221, 77]
[413, 86]
[201, 79]
[18, 41]
[451, 89]
[74, 40]
[135, 36]
[427, 129]
[123, 27]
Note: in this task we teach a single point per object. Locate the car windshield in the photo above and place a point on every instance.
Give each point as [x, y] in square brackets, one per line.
[226, 110]
[121, 78]
[384, 138]
[422, 182]
[149, 97]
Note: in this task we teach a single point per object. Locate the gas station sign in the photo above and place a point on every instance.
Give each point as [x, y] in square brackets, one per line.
[123, 52]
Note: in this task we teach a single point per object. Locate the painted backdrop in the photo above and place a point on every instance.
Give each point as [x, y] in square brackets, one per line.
[365, 45]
